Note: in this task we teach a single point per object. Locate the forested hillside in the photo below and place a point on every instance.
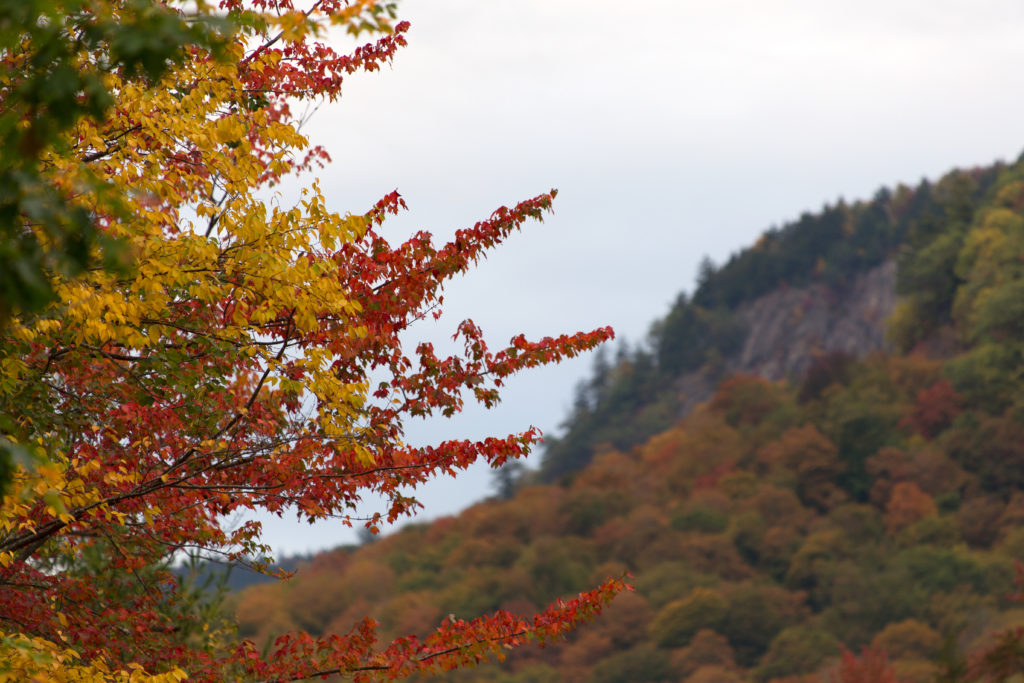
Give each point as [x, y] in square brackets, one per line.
[703, 337]
[867, 503]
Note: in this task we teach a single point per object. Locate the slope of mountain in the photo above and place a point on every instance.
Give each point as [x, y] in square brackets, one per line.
[782, 475]
[816, 285]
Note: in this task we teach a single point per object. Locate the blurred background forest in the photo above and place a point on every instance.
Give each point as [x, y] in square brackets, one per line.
[821, 447]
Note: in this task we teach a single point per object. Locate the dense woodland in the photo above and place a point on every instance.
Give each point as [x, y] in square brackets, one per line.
[873, 506]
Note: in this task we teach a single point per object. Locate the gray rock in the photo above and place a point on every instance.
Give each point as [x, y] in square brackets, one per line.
[789, 327]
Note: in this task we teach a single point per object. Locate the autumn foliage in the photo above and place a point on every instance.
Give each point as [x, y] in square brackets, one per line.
[861, 522]
[241, 355]
[229, 368]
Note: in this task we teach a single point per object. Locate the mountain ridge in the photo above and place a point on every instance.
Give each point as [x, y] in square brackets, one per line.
[701, 335]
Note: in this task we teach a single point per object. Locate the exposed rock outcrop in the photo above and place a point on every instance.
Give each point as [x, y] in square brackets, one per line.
[789, 327]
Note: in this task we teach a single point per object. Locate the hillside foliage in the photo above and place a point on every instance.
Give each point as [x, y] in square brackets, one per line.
[633, 397]
[863, 522]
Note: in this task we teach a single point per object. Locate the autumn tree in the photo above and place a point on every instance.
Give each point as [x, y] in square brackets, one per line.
[935, 409]
[907, 504]
[812, 459]
[229, 368]
[872, 665]
[681, 619]
[797, 650]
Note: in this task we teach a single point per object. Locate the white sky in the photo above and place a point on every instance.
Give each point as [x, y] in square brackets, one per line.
[672, 129]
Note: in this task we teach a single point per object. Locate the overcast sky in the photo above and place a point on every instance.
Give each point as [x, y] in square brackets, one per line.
[672, 129]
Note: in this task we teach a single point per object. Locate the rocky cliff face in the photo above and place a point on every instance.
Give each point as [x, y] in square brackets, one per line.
[788, 327]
